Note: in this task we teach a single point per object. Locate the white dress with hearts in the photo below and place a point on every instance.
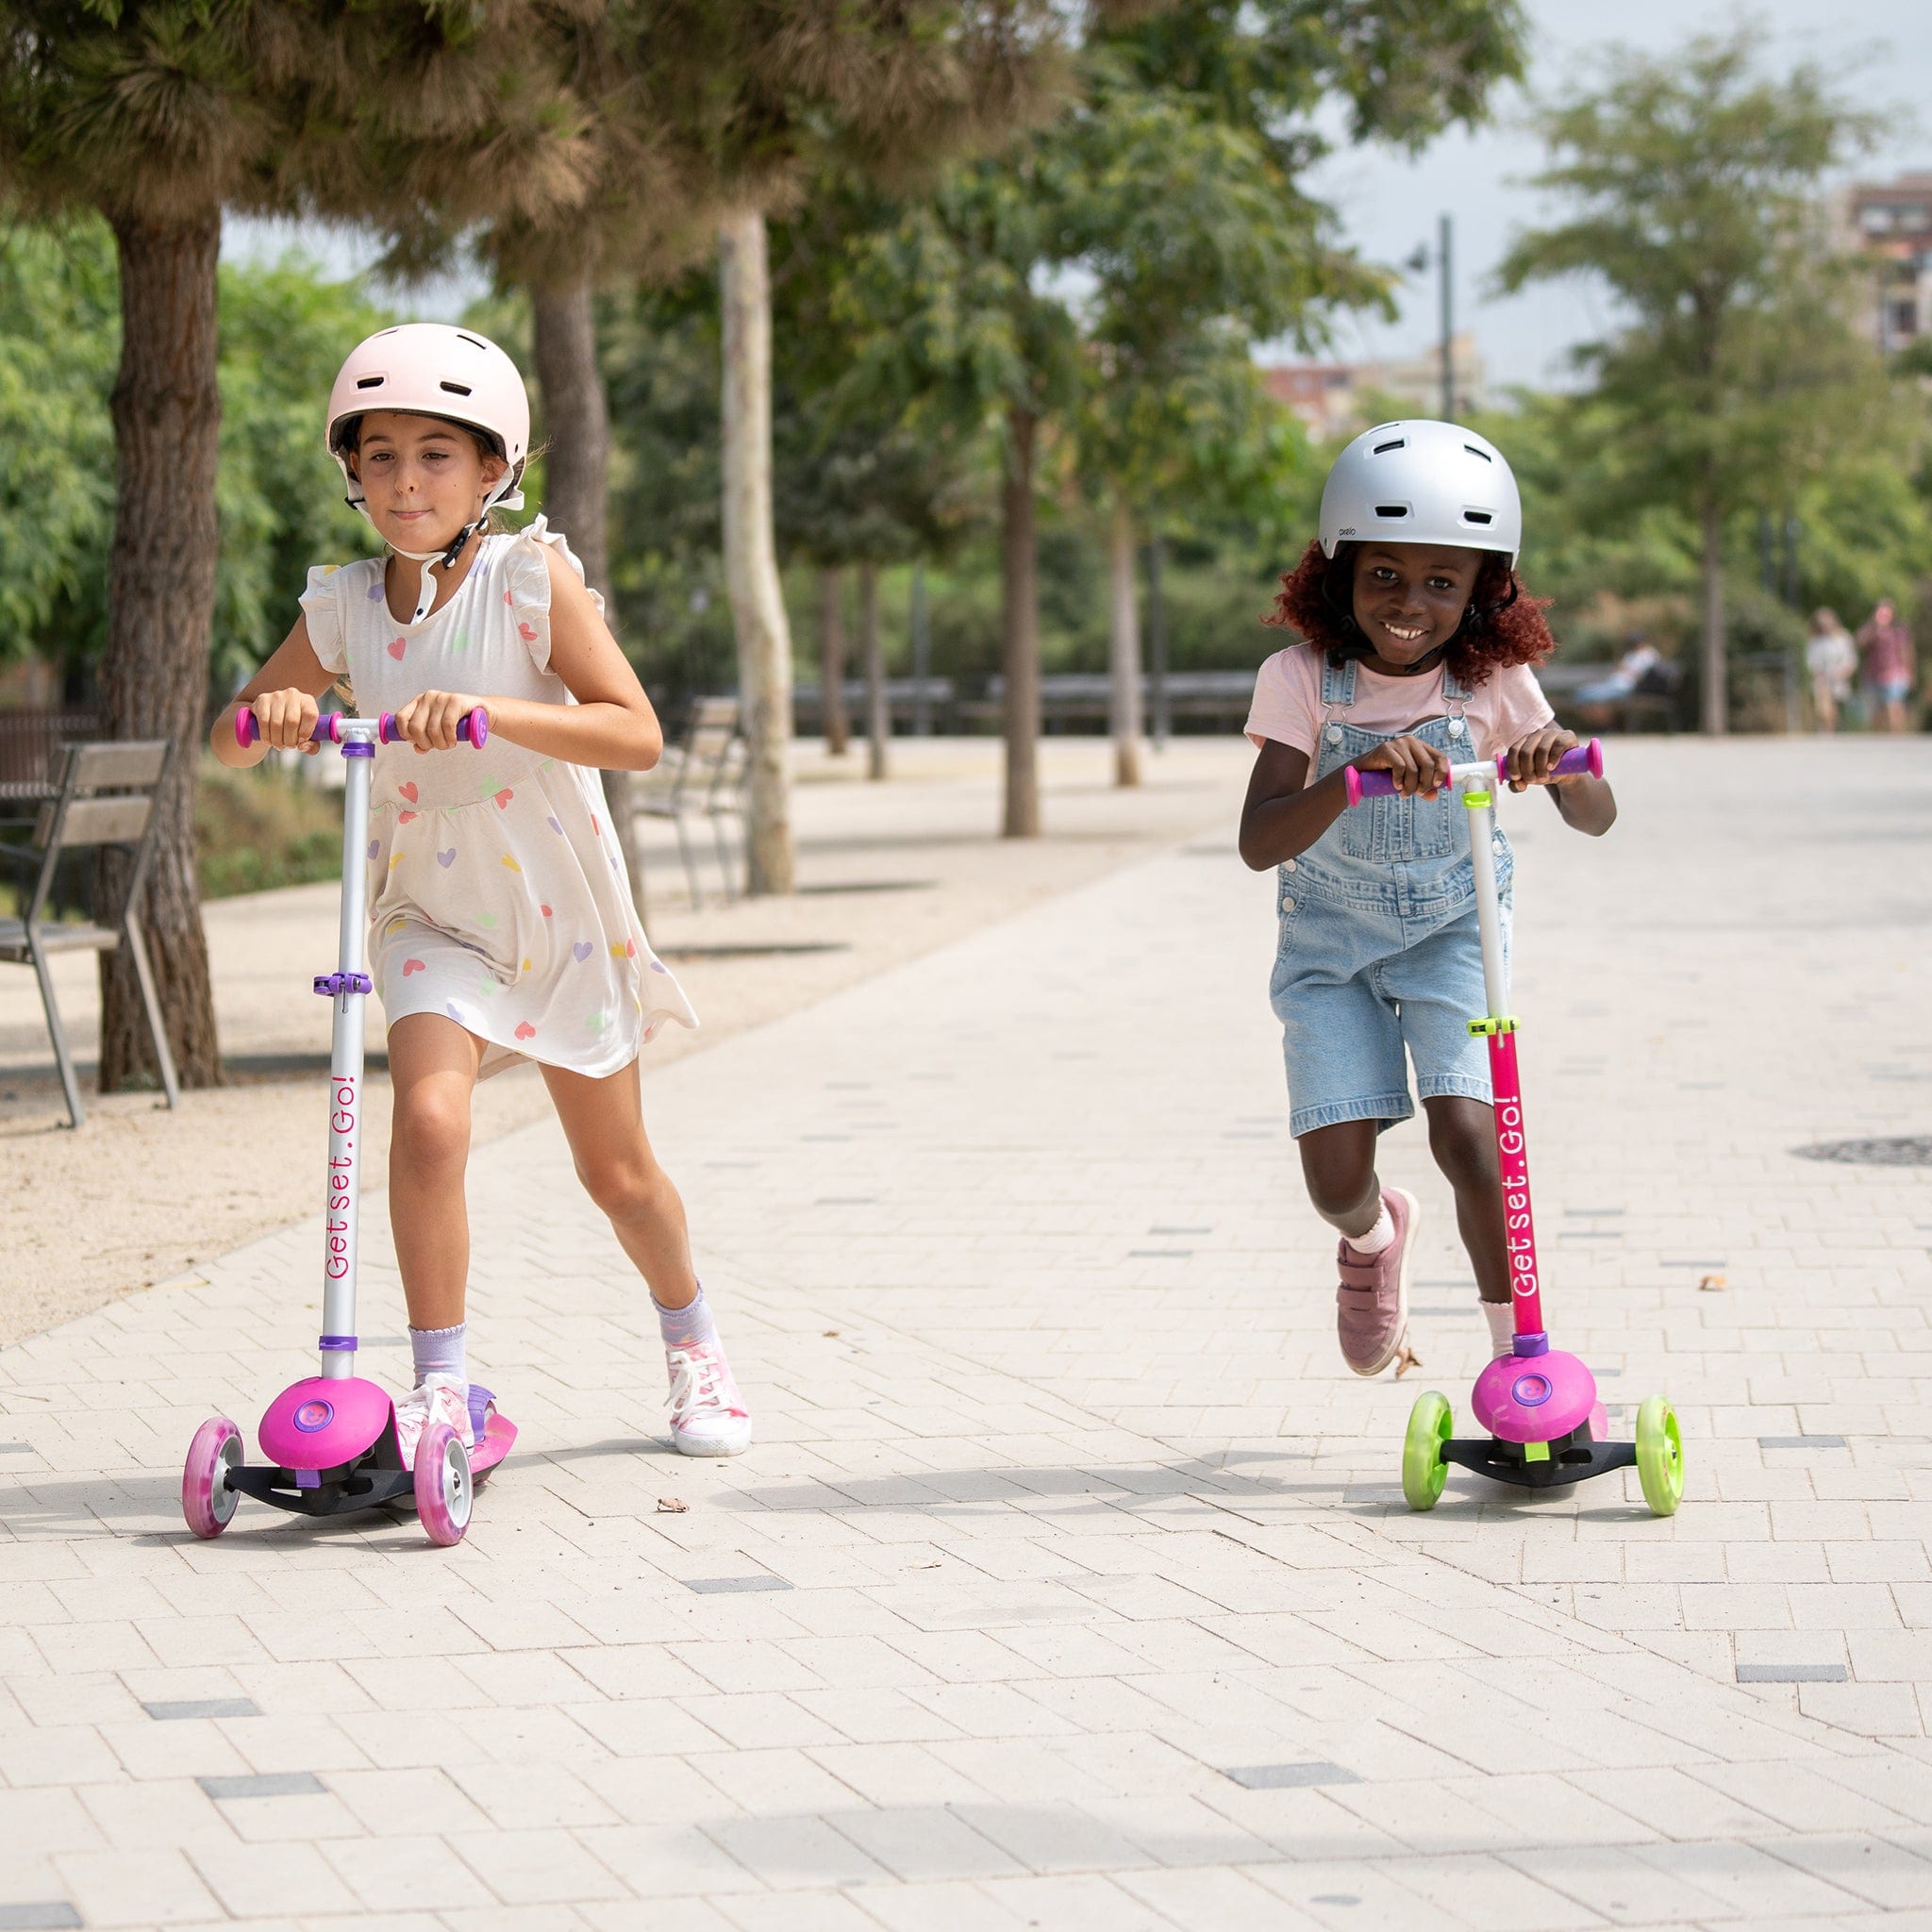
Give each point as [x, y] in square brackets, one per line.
[496, 890]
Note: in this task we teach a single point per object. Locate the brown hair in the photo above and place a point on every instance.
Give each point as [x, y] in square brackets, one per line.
[1503, 625]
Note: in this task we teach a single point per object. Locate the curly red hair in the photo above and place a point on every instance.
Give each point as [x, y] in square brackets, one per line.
[1316, 599]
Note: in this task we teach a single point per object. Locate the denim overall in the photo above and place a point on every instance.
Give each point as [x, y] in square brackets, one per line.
[1378, 949]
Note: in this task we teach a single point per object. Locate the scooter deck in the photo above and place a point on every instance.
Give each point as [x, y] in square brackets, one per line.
[368, 1484]
[499, 1435]
[1572, 1459]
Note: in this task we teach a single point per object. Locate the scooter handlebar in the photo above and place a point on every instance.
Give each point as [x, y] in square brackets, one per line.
[473, 730]
[1574, 763]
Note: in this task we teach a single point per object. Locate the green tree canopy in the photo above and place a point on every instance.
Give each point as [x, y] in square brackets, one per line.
[1696, 189]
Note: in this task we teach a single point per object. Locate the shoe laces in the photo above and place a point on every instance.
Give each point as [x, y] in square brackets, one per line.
[698, 1378]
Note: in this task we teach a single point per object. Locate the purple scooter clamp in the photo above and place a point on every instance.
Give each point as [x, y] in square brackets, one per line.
[1534, 1399]
[318, 1423]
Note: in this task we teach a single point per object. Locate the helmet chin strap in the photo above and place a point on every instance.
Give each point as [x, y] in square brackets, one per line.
[508, 494]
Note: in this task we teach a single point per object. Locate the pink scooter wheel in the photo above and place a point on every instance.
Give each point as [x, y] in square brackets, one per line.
[443, 1487]
[208, 1501]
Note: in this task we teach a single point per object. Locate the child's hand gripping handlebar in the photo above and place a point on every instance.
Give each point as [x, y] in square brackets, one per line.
[474, 731]
[1583, 758]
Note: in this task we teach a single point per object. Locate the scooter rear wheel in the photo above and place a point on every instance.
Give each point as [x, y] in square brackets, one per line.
[1659, 1455]
[444, 1490]
[208, 1501]
[1423, 1471]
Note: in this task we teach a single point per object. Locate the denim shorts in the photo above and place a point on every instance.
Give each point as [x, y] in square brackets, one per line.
[1367, 981]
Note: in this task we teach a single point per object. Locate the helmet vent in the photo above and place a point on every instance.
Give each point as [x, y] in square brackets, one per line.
[455, 388]
[371, 381]
[1476, 451]
[473, 343]
[1382, 449]
[1477, 516]
[1391, 511]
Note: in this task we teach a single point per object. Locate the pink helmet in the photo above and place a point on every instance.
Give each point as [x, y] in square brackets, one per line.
[434, 369]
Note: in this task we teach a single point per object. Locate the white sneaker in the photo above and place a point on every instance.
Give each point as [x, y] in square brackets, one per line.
[707, 1414]
[437, 1398]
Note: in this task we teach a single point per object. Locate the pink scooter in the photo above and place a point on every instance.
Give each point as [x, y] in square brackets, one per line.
[1546, 1426]
[330, 1440]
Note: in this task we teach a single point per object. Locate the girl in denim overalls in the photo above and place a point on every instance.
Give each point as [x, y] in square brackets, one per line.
[1417, 643]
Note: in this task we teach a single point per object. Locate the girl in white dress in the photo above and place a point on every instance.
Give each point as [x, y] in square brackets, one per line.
[501, 919]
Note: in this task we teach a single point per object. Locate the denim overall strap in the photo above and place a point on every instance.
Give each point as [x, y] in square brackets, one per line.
[1455, 697]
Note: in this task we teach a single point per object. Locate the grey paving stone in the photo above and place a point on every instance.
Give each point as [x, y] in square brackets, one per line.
[203, 1707]
[733, 1585]
[1800, 1441]
[49, 1914]
[265, 1784]
[1281, 1777]
[1792, 1673]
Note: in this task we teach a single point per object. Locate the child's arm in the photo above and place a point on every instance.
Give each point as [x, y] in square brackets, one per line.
[1284, 815]
[1584, 802]
[282, 695]
[611, 727]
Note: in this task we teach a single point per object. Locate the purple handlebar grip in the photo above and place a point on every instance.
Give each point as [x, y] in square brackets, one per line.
[1575, 762]
[473, 730]
[328, 727]
[1583, 758]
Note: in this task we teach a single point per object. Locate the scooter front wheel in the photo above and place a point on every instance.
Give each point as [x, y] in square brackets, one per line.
[208, 1499]
[1659, 1455]
[1423, 1471]
[444, 1488]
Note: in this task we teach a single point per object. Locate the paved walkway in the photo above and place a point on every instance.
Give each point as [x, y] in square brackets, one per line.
[1068, 1583]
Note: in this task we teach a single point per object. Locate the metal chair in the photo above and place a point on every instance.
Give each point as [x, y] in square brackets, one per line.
[706, 776]
[77, 817]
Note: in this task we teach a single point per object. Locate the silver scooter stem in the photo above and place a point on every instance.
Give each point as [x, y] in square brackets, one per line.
[350, 984]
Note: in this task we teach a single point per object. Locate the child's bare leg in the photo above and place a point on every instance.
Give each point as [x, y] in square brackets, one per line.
[603, 1121]
[432, 1067]
[1339, 1165]
[1462, 1137]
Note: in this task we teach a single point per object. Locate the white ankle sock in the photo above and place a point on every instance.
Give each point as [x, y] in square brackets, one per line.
[442, 1351]
[691, 1326]
[1500, 1316]
[1377, 1236]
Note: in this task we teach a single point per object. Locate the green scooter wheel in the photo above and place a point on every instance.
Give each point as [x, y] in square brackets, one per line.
[1659, 1455]
[1423, 1471]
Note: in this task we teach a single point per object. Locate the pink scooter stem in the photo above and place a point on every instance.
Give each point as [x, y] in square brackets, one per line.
[1512, 1149]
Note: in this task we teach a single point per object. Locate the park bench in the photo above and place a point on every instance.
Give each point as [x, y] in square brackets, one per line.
[105, 796]
[701, 777]
[911, 703]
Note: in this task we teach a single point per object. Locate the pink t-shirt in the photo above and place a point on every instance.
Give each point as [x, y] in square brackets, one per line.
[1287, 703]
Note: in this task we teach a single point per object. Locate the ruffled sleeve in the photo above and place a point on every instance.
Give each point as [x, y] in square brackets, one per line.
[527, 584]
[321, 606]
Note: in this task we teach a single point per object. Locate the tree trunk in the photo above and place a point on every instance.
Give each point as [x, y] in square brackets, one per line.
[878, 717]
[1019, 628]
[1716, 704]
[751, 558]
[1123, 647]
[1157, 638]
[832, 661]
[167, 411]
[576, 482]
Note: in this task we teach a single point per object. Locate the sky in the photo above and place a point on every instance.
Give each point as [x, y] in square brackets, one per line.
[1390, 203]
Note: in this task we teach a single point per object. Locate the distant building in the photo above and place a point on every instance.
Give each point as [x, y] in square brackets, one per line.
[1336, 399]
[1893, 223]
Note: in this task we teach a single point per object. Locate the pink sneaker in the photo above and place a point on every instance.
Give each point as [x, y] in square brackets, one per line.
[707, 1414]
[1372, 1303]
[439, 1398]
